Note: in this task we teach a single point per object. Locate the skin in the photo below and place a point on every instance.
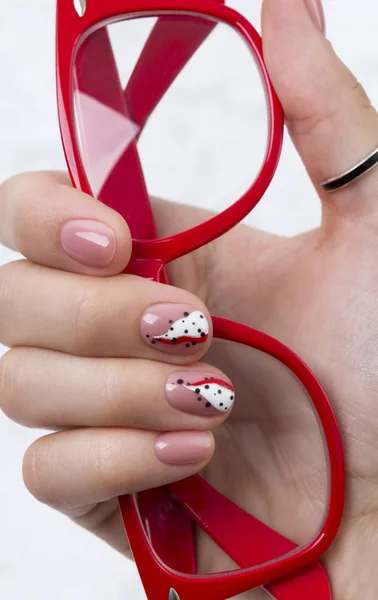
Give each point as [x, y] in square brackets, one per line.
[316, 292]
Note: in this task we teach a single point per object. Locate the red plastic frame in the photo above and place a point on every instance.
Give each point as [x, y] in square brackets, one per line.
[149, 257]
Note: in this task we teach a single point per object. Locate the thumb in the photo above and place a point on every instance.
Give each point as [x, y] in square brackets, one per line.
[328, 114]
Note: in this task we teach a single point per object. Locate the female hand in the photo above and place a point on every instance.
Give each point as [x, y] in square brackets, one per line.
[78, 362]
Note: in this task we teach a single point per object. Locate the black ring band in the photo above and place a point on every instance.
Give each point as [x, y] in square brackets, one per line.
[346, 178]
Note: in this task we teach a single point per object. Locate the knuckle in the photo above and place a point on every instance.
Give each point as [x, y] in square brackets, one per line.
[111, 388]
[307, 124]
[316, 108]
[16, 385]
[5, 271]
[20, 186]
[10, 378]
[29, 210]
[8, 274]
[103, 456]
[35, 472]
[85, 321]
[4, 295]
[90, 325]
[110, 471]
[24, 192]
[15, 187]
[358, 92]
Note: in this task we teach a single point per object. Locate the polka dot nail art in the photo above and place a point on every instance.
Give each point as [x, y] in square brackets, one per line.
[199, 393]
[175, 328]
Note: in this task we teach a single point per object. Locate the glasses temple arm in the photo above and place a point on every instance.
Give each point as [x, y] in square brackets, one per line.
[248, 541]
[170, 45]
[124, 189]
[245, 539]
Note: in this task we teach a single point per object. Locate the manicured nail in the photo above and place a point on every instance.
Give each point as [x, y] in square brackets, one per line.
[177, 328]
[91, 243]
[183, 447]
[315, 8]
[199, 393]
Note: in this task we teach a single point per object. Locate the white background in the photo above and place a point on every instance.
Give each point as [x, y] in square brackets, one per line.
[42, 554]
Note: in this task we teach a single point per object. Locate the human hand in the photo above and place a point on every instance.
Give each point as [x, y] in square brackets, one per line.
[321, 303]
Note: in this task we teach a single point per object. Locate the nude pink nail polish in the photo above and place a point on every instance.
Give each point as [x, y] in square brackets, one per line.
[174, 328]
[183, 447]
[90, 243]
[199, 393]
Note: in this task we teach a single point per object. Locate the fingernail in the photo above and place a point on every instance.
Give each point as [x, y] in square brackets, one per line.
[199, 393]
[183, 447]
[91, 243]
[315, 8]
[175, 328]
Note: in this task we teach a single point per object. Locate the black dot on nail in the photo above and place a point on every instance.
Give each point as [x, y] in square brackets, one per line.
[219, 391]
[199, 398]
[203, 334]
[221, 404]
[174, 340]
[186, 331]
[180, 381]
[231, 397]
[171, 328]
[199, 330]
[226, 408]
[207, 404]
[193, 323]
[194, 343]
[153, 342]
[214, 394]
[187, 345]
[201, 317]
[197, 391]
[186, 314]
[166, 335]
[147, 336]
[207, 387]
[182, 321]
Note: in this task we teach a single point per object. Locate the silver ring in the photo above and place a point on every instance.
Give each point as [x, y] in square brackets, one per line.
[336, 183]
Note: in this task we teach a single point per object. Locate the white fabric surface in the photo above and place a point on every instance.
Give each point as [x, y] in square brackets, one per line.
[42, 554]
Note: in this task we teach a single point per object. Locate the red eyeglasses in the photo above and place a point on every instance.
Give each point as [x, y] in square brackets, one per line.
[128, 120]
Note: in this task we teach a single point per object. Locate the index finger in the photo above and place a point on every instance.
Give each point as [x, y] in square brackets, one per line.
[49, 222]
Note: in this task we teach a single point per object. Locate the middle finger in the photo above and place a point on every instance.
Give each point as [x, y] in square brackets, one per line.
[123, 316]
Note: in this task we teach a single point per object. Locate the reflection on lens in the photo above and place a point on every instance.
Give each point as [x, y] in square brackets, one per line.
[178, 96]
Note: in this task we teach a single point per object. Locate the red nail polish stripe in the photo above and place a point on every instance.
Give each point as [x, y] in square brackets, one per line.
[182, 339]
[219, 382]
